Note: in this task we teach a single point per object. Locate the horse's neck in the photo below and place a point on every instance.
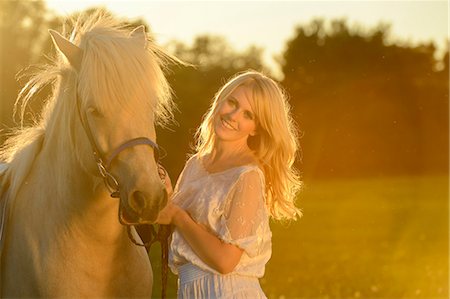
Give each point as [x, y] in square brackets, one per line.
[73, 244]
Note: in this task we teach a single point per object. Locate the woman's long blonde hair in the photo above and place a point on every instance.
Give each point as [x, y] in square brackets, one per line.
[275, 144]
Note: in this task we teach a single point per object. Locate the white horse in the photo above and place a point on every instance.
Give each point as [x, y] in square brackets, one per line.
[63, 237]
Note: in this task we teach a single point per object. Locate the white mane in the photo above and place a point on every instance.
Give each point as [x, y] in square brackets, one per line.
[115, 68]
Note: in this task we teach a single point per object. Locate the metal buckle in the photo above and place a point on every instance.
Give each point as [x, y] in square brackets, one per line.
[111, 183]
[109, 180]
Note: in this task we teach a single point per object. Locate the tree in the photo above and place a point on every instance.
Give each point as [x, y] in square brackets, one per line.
[24, 39]
[366, 107]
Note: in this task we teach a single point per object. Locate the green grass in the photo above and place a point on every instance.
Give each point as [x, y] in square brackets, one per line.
[365, 238]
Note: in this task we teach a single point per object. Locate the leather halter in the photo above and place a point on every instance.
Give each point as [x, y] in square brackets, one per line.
[113, 186]
[110, 181]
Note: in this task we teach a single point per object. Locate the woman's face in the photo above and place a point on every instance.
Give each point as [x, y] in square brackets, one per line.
[235, 119]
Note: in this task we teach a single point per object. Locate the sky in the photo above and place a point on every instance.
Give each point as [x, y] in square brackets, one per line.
[270, 24]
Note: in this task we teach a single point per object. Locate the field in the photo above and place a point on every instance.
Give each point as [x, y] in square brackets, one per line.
[365, 238]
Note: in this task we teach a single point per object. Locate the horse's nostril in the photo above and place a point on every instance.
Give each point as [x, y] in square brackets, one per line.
[137, 201]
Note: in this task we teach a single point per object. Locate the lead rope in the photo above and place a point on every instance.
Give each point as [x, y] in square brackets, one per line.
[162, 236]
[166, 231]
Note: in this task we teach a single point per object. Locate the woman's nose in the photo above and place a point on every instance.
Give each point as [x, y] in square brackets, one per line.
[234, 114]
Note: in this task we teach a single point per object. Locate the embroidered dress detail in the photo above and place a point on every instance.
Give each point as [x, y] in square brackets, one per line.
[230, 204]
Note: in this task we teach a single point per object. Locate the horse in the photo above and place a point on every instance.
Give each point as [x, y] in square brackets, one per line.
[95, 139]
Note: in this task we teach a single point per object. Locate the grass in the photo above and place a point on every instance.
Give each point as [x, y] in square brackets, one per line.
[365, 238]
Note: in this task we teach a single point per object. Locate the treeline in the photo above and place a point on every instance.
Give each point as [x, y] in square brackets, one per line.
[367, 107]
[364, 107]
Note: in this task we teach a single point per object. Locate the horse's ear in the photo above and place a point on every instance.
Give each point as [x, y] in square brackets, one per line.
[73, 53]
[139, 33]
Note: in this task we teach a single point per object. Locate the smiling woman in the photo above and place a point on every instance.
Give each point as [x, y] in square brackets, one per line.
[241, 176]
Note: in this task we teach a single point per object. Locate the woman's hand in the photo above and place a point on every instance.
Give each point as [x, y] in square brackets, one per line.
[168, 214]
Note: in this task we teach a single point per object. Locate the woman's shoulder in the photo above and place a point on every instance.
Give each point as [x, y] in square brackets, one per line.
[192, 159]
[252, 173]
[252, 168]
[190, 168]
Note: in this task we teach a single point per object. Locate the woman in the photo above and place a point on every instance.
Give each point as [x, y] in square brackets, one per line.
[240, 176]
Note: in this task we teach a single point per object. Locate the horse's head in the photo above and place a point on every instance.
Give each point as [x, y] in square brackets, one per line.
[121, 93]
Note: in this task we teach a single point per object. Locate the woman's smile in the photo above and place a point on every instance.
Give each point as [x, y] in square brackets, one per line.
[227, 124]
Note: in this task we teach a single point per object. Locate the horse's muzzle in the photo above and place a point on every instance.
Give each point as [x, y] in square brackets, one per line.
[142, 208]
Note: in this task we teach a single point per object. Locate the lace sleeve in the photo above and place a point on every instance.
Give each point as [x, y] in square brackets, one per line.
[244, 218]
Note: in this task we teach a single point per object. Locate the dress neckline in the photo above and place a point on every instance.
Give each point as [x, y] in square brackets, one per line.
[210, 173]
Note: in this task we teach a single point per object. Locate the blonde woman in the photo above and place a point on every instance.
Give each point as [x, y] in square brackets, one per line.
[241, 175]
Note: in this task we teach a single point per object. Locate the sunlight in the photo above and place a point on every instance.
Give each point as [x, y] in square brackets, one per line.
[269, 24]
[369, 96]
[68, 7]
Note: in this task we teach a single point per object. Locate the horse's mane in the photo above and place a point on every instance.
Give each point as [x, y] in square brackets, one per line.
[114, 68]
[110, 54]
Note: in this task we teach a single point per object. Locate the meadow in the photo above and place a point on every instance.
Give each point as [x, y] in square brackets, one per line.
[359, 238]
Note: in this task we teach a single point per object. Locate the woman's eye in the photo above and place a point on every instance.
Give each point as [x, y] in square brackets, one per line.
[231, 102]
[248, 115]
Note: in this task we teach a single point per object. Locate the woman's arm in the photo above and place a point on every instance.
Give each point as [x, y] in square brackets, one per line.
[222, 257]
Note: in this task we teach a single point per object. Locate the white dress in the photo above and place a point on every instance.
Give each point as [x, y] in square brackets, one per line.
[231, 205]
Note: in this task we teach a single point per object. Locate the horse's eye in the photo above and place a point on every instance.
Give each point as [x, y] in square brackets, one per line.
[94, 112]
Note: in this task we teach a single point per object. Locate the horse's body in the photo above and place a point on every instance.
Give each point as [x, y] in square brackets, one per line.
[63, 237]
[74, 248]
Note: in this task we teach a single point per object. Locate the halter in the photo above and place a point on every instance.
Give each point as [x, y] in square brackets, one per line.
[113, 186]
[110, 181]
